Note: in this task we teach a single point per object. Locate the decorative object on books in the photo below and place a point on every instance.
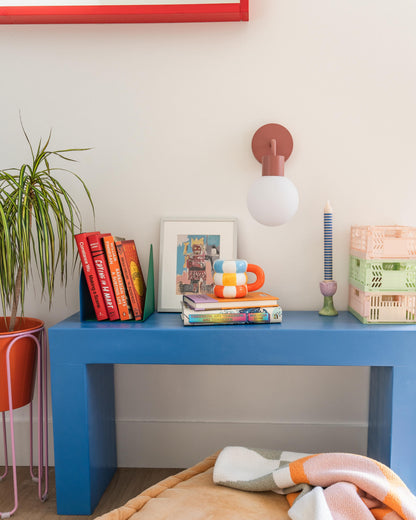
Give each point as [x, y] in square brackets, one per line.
[230, 278]
[38, 217]
[273, 199]
[328, 286]
[188, 250]
[382, 274]
[206, 301]
[120, 11]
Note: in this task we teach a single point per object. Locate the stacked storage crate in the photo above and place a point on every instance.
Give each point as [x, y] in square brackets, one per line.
[382, 274]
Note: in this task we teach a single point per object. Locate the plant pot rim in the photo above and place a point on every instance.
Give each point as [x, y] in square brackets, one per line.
[24, 324]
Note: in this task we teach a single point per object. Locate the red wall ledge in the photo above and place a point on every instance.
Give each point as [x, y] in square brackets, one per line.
[138, 13]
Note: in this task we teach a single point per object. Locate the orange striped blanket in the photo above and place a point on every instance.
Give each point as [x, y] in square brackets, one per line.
[325, 486]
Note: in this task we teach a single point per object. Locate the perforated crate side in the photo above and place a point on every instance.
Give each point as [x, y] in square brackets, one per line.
[379, 307]
[374, 242]
[359, 239]
[383, 274]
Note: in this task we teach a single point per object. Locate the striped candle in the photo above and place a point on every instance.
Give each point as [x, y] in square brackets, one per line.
[328, 242]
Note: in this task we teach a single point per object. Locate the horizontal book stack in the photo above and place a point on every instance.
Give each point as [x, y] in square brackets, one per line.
[256, 308]
[113, 276]
[382, 274]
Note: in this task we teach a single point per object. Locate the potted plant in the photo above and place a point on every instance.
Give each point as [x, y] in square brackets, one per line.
[38, 219]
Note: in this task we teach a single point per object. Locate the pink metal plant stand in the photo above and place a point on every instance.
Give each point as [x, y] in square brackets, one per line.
[42, 394]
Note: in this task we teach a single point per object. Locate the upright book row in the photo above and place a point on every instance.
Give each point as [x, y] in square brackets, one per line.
[113, 275]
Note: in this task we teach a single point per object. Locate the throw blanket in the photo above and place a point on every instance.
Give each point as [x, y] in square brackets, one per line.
[325, 486]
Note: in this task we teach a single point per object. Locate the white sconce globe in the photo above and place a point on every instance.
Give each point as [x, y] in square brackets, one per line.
[272, 200]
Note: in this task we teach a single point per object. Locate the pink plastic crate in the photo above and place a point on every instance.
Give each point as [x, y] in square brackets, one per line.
[383, 241]
[382, 307]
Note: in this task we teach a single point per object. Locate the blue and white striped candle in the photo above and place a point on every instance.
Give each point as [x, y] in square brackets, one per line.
[328, 242]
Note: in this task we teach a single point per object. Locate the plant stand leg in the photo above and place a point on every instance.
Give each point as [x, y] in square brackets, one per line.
[42, 419]
[8, 514]
[6, 462]
[43, 461]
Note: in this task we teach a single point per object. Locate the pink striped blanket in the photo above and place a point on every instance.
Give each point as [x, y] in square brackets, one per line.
[325, 486]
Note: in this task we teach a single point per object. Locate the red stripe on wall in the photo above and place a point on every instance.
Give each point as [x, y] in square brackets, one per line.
[125, 13]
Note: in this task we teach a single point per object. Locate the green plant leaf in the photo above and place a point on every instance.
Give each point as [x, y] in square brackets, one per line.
[38, 221]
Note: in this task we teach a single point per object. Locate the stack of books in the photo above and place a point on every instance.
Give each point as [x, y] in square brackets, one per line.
[255, 308]
[113, 274]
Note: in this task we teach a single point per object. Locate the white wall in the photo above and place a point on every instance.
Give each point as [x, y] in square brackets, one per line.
[170, 111]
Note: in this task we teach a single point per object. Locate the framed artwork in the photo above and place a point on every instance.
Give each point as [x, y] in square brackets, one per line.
[121, 11]
[188, 250]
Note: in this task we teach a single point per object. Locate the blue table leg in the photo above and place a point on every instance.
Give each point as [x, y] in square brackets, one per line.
[392, 420]
[403, 446]
[84, 435]
[379, 422]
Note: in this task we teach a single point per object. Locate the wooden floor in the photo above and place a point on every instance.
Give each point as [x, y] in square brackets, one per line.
[126, 484]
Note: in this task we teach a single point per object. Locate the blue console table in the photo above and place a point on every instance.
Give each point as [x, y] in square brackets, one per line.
[83, 354]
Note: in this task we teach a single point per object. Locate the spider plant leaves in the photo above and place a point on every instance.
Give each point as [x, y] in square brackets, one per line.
[38, 221]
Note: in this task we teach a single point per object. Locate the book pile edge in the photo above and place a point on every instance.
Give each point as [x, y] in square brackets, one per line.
[256, 308]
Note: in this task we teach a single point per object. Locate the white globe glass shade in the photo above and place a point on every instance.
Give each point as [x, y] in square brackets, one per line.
[272, 200]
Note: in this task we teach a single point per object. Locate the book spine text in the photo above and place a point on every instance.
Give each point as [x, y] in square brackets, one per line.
[100, 262]
[91, 277]
[123, 303]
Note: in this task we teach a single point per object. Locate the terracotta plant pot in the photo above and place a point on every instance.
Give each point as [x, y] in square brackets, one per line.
[23, 357]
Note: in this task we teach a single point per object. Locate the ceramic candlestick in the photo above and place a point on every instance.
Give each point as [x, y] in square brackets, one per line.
[328, 286]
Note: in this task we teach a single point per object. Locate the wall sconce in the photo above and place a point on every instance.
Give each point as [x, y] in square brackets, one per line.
[273, 199]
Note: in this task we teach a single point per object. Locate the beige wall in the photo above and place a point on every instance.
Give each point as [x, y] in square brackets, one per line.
[169, 111]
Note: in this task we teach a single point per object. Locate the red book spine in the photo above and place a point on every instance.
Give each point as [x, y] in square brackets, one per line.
[133, 276]
[95, 242]
[91, 276]
[116, 276]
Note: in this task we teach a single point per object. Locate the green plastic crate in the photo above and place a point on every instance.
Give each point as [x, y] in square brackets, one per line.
[383, 274]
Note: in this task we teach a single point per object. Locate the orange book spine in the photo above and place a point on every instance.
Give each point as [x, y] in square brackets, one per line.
[124, 308]
[97, 252]
[133, 276]
[91, 277]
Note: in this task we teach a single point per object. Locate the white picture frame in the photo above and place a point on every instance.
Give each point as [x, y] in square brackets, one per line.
[185, 243]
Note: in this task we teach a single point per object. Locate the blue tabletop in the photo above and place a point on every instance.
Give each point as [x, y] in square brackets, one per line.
[303, 338]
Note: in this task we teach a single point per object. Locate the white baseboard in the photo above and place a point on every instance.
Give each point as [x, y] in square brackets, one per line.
[179, 444]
